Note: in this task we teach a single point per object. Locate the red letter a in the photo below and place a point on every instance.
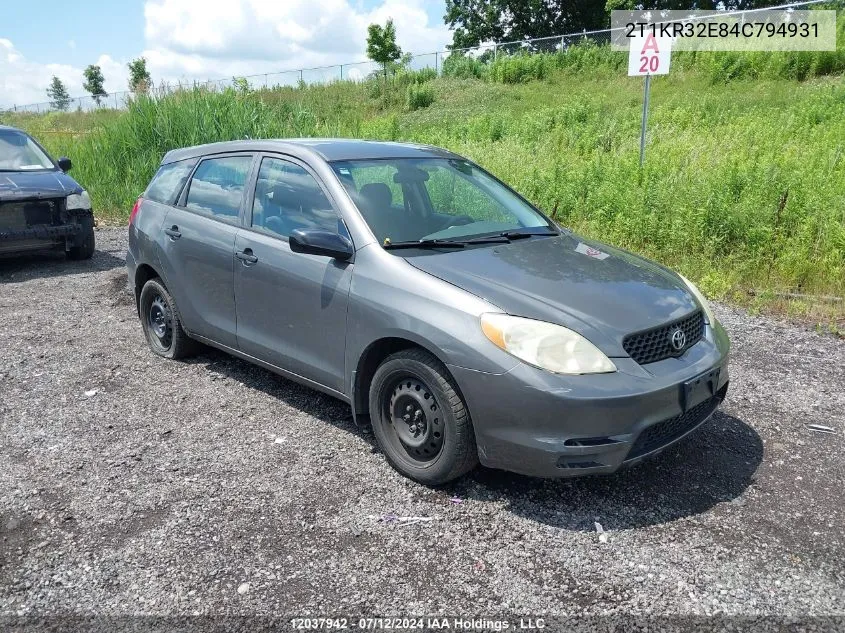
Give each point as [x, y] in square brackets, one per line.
[650, 43]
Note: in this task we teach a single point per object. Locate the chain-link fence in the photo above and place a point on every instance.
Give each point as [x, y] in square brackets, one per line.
[355, 71]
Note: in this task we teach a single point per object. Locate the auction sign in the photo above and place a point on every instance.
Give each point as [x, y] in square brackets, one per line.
[753, 30]
[650, 36]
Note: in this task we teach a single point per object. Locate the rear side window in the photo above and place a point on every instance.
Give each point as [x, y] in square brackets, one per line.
[169, 180]
[217, 187]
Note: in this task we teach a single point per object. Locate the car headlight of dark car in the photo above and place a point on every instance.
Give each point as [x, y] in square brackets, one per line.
[78, 201]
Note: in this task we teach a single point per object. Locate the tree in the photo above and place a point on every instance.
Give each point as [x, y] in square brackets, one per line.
[688, 5]
[241, 85]
[381, 44]
[94, 82]
[59, 98]
[139, 76]
[477, 21]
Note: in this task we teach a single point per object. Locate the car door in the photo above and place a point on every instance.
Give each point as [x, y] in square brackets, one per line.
[291, 307]
[199, 242]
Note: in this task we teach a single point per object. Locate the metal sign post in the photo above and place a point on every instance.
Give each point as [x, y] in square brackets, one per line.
[646, 92]
[648, 56]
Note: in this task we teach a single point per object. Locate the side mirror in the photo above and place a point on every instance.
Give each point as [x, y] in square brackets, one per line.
[316, 242]
[64, 163]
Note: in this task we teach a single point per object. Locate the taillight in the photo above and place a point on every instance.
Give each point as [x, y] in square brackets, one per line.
[134, 211]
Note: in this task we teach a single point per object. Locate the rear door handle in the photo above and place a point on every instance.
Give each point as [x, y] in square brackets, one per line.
[173, 232]
[246, 257]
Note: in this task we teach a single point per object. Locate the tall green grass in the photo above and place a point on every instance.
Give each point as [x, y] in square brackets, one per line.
[743, 186]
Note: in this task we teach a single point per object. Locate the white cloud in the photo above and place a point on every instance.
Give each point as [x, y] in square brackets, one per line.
[200, 39]
[212, 39]
[24, 82]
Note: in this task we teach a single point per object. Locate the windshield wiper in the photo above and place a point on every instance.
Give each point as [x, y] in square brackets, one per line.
[506, 236]
[488, 239]
[517, 235]
[423, 244]
[501, 238]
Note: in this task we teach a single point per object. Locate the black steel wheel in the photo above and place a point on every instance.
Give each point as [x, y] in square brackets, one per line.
[162, 324]
[420, 419]
[415, 419]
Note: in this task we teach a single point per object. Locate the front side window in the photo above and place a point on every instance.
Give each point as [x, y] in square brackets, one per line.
[18, 152]
[169, 180]
[217, 187]
[433, 198]
[287, 197]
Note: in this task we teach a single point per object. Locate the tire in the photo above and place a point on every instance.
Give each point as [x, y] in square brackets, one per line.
[161, 323]
[431, 442]
[86, 248]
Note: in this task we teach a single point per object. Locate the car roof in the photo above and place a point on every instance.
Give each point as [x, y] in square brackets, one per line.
[9, 127]
[327, 149]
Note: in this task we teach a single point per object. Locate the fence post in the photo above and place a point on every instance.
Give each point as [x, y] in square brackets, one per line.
[341, 72]
[436, 65]
[495, 50]
[300, 77]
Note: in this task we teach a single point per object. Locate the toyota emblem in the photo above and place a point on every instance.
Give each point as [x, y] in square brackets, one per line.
[678, 339]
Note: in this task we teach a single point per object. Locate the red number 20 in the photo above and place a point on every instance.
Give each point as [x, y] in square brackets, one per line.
[649, 64]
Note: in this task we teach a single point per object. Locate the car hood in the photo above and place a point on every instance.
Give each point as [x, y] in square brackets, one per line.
[602, 292]
[36, 184]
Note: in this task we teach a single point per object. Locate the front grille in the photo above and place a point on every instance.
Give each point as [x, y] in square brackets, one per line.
[663, 433]
[28, 214]
[653, 345]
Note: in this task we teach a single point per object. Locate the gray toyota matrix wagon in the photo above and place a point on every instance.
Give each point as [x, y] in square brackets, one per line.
[412, 284]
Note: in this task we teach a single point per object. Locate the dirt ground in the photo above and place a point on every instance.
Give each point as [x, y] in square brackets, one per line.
[131, 485]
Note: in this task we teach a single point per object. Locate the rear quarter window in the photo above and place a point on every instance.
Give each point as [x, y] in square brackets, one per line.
[169, 180]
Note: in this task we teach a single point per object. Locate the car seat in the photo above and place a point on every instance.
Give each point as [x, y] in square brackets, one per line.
[375, 203]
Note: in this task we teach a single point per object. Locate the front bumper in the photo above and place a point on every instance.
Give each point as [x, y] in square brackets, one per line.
[69, 233]
[537, 423]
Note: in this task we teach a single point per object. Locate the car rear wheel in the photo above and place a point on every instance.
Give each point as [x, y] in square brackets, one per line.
[162, 325]
[420, 419]
[85, 249]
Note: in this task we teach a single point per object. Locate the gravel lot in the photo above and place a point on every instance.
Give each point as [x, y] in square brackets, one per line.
[134, 485]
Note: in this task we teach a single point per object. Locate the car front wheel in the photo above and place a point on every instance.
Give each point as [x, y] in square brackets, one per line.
[85, 248]
[162, 325]
[420, 419]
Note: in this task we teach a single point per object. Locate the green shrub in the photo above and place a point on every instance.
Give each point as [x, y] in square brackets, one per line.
[418, 96]
[424, 75]
[512, 69]
[463, 67]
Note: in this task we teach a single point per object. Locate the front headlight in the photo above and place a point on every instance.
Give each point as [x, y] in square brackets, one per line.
[705, 305]
[79, 201]
[545, 345]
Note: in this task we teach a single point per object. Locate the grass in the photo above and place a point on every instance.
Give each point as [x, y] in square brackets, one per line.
[743, 187]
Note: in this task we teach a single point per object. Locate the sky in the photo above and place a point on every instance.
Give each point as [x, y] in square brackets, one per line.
[194, 39]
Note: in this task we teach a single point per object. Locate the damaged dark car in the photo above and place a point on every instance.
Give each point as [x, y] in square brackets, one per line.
[41, 206]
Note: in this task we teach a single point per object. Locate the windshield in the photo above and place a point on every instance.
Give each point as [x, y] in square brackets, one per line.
[433, 199]
[18, 152]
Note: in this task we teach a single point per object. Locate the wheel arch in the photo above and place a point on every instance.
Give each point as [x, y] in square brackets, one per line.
[373, 356]
[143, 273]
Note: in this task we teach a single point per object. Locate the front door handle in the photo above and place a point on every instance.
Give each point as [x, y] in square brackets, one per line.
[246, 257]
[173, 232]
